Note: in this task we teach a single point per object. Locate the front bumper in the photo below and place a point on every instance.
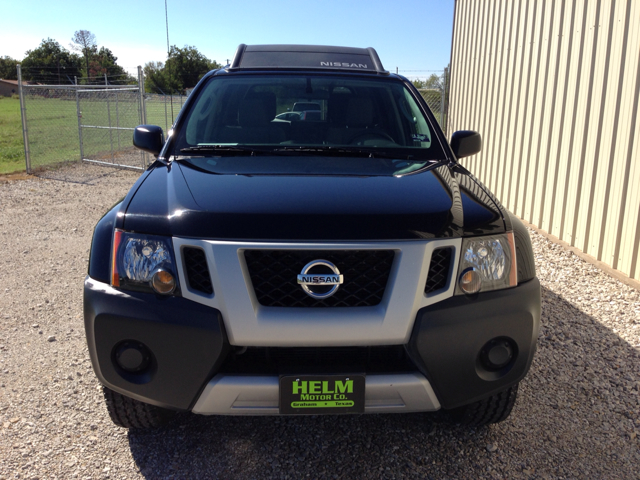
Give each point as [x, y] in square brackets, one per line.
[186, 339]
[448, 336]
[189, 345]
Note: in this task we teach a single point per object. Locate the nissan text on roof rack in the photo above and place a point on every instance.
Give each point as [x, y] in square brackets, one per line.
[344, 265]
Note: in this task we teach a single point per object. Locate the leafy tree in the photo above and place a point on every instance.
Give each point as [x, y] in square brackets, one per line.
[8, 69]
[103, 62]
[434, 82]
[182, 70]
[84, 42]
[155, 80]
[51, 63]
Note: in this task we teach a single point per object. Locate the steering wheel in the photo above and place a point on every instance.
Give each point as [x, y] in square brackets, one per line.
[360, 139]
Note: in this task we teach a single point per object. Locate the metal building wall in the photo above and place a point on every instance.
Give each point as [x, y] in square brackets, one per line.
[553, 87]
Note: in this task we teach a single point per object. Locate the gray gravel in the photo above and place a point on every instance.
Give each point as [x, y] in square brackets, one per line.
[577, 415]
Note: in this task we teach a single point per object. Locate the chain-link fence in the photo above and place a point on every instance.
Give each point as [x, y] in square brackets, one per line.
[434, 90]
[162, 110]
[435, 98]
[64, 123]
[106, 120]
[92, 123]
[51, 128]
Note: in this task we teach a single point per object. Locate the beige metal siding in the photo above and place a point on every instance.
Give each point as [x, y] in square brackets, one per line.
[553, 87]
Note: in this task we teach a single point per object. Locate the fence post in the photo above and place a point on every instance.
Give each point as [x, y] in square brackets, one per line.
[79, 113]
[143, 112]
[446, 106]
[23, 115]
[106, 84]
[166, 119]
[118, 122]
[442, 126]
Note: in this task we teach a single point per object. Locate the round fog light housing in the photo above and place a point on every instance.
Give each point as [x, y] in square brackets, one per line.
[470, 281]
[163, 282]
[132, 356]
[498, 353]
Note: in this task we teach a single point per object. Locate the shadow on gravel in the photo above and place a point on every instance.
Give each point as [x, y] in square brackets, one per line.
[576, 416]
[84, 173]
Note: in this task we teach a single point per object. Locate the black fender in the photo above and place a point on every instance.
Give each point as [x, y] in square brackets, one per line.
[524, 250]
[100, 256]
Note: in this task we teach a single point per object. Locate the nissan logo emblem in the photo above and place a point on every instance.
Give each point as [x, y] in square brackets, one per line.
[321, 283]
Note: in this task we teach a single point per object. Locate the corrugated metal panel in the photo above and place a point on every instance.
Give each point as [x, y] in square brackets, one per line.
[553, 86]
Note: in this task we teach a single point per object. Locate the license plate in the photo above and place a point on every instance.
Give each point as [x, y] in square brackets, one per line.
[321, 394]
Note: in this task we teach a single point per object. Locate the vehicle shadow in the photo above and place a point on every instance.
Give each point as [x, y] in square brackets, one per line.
[576, 416]
[79, 172]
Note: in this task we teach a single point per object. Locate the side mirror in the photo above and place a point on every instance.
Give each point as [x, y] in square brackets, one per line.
[465, 143]
[148, 138]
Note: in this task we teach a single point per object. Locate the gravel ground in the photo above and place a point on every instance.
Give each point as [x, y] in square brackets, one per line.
[577, 415]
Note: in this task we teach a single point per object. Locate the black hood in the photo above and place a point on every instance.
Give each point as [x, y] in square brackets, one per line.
[183, 201]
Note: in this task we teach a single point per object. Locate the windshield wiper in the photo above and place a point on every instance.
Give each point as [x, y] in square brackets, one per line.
[320, 150]
[226, 150]
[329, 151]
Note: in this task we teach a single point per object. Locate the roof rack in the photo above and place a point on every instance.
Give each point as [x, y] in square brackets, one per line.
[317, 57]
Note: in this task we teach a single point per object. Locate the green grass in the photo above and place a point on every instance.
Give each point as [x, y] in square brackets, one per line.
[11, 145]
[53, 127]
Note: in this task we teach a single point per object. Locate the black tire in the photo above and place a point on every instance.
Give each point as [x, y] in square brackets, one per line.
[129, 413]
[493, 409]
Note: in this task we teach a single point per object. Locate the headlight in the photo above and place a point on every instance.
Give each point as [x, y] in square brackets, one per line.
[487, 263]
[143, 262]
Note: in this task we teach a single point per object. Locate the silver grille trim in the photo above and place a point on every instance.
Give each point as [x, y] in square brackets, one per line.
[248, 323]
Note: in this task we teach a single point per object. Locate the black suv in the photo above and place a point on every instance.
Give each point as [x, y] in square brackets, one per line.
[344, 265]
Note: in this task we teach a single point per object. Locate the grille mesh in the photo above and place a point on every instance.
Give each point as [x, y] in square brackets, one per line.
[274, 276]
[438, 270]
[195, 263]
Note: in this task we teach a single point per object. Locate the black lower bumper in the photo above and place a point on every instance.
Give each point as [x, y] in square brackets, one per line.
[186, 340]
[448, 337]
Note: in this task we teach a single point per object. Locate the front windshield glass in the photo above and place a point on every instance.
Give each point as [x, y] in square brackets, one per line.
[319, 116]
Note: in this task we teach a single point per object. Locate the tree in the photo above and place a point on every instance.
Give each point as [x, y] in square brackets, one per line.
[85, 42]
[103, 62]
[434, 82]
[51, 63]
[8, 69]
[186, 66]
[183, 69]
[154, 78]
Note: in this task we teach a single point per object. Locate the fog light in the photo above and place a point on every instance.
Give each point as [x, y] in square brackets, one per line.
[498, 353]
[163, 282]
[470, 281]
[132, 356]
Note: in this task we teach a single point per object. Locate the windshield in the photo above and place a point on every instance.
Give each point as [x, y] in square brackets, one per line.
[319, 116]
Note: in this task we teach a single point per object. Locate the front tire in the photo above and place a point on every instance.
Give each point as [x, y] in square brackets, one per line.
[129, 413]
[493, 409]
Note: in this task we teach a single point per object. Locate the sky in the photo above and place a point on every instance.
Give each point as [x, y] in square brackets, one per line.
[413, 36]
